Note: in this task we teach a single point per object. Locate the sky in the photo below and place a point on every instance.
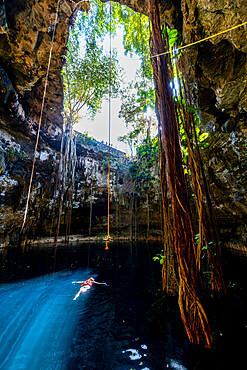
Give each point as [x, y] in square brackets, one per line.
[98, 128]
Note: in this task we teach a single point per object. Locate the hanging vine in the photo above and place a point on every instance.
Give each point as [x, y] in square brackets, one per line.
[169, 276]
[173, 181]
[207, 230]
[66, 180]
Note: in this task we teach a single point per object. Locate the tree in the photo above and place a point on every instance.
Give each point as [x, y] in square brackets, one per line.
[88, 76]
[136, 36]
[144, 172]
[178, 216]
[137, 111]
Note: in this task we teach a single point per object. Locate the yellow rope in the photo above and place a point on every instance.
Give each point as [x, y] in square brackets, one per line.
[40, 119]
[109, 144]
[109, 148]
[199, 41]
[109, 163]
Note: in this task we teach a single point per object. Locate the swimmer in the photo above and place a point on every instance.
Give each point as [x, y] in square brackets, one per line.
[108, 239]
[85, 285]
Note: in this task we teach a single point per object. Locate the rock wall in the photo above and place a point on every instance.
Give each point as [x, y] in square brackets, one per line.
[90, 190]
[217, 74]
[24, 57]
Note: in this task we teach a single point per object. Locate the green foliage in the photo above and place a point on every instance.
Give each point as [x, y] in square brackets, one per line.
[97, 22]
[160, 258]
[171, 35]
[173, 38]
[131, 138]
[15, 152]
[85, 139]
[205, 248]
[139, 94]
[135, 25]
[232, 284]
[182, 107]
[136, 37]
[201, 137]
[146, 160]
[86, 74]
[137, 98]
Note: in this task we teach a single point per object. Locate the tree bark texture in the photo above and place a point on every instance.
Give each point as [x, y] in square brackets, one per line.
[192, 312]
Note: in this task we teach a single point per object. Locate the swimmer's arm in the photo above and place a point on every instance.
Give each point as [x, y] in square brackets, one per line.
[99, 283]
[78, 282]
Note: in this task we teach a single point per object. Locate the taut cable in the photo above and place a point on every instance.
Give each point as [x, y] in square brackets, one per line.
[199, 41]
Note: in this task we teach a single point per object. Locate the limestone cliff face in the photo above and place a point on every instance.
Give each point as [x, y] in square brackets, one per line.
[24, 56]
[16, 154]
[89, 197]
[216, 72]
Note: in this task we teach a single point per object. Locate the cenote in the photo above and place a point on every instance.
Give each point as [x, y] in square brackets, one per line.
[124, 325]
[148, 199]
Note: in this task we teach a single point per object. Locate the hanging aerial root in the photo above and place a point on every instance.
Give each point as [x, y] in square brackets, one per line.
[169, 278]
[192, 312]
[194, 316]
[66, 180]
[207, 224]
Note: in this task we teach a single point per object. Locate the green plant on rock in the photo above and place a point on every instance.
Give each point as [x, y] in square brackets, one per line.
[143, 172]
[21, 154]
[160, 258]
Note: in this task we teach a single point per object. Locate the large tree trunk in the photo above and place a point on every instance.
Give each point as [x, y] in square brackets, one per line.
[192, 312]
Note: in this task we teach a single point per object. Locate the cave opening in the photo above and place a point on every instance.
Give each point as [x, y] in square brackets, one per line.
[87, 78]
[161, 193]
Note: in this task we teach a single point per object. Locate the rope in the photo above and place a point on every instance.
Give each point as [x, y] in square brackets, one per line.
[40, 119]
[199, 41]
[109, 130]
[188, 45]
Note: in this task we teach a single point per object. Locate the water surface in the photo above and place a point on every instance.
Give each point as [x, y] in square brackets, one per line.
[109, 327]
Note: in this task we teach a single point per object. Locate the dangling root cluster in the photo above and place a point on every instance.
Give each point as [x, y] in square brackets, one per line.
[65, 181]
[182, 262]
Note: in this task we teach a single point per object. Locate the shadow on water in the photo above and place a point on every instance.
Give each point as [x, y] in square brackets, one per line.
[120, 326]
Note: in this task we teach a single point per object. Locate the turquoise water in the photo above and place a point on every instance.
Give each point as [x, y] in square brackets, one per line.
[42, 327]
[38, 321]
[107, 327]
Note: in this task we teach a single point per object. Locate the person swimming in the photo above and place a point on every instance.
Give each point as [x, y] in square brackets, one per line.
[85, 285]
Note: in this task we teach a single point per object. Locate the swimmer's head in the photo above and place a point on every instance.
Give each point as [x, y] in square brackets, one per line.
[91, 279]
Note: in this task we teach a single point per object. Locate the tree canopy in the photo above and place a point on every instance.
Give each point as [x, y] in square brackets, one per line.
[88, 73]
[137, 111]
